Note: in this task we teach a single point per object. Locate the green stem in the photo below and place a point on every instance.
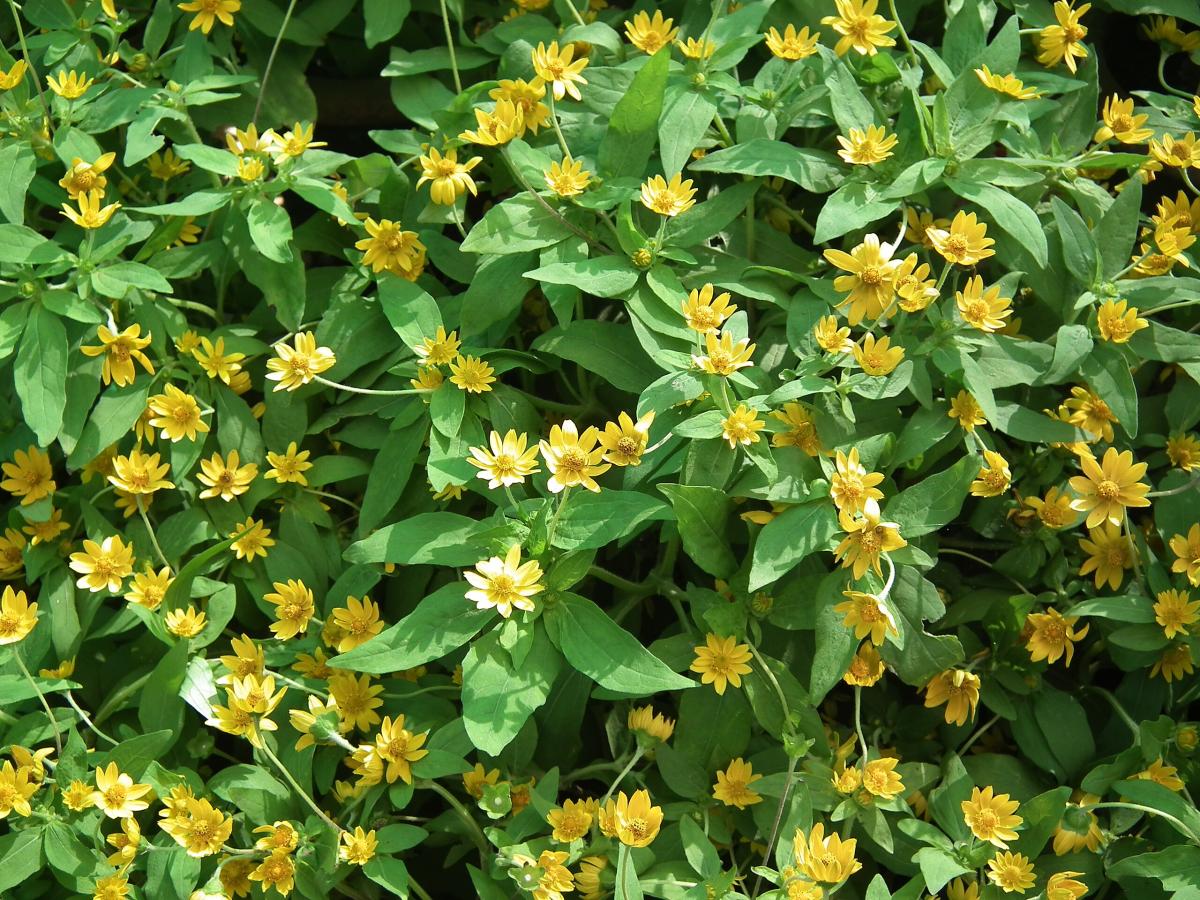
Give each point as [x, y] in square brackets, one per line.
[86, 720]
[575, 13]
[1168, 306]
[369, 391]
[412, 882]
[633, 760]
[983, 562]
[1151, 811]
[300, 792]
[1117, 708]
[562, 501]
[37, 82]
[1162, 78]
[1183, 488]
[777, 822]
[617, 581]
[450, 47]
[762, 664]
[977, 735]
[858, 729]
[908, 47]
[113, 703]
[262, 88]
[141, 508]
[541, 201]
[562, 141]
[477, 835]
[329, 496]
[42, 697]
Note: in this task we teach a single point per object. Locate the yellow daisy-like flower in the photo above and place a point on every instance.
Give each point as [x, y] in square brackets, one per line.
[148, 588]
[881, 779]
[390, 248]
[86, 176]
[1117, 321]
[1121, 124]
[29, 476]
[12, 546]
[505, 584]
[1065, 886]
[865, 148]
[139, 473]
[636, 819]
[1087, 411]
[250, 168]
[508, 463]
[90, 214]
[860, 27]
[429, 378]
[668, 198]
[1167, 31]
[1011, 872]
[866, 540]
[569, 822]
[742, 426]
[913, 284]
[568, 178]
[399, 748]
[1009, 85]
[167, 165]
[1054, 510]
[994, 478]
[866, 668]
[209, 12]
[497, 127]
[69, 85]
[851, 487]
[866, 615]
[1107, 489]
[177, 414]
[526, 97]
[802, 431]
[705, 313]
[650, 35]
[14, 76]
[111, 887]
[1161, 773]
[120, 351]
[1053, 636]
[1062, 42]
[291, 144]
[792, 44]
[870, 284]
[1174, 663]
[1067, 840]
[964, 243]
[991, 816]
[297, 364]
[215, 362]
[475, 780]
[733, 785]
[357, 847]
[1175, 611]
[359, 621]
[439, 350]
[186, 623]
[958, 690]
[252, 539]
[724, 357]
[1110, 553]
[289, 467]
[555, 68]
[202, 829]
[985, 310]
[318, 709]
[472, 374]
[573, 458]
[448, 179]
[116, 794]
[357, 699]
[828, 860]
[648, 724]
[830, 337]
[1178, 153]
[625, 440]
[696, 48]
[964, 409]
[104, 565]
[17, 616]
[1179, 208]
[294, 607]
[225, 477]
[277, 870]
[878, 357]
[722, 661]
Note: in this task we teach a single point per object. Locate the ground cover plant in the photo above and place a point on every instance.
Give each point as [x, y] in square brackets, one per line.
[551, 449]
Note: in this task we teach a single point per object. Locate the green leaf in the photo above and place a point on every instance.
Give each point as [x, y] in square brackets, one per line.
[684, 122]
[701, 513]
[210, 159]
[934, 502]
[1116, 232]
[499, 697]
[1079, 247]
[390, 473]
[20, 856]
[788, 538]
[17, 165]
[603, 348]
[605, 652]
[40, 374]
[442, 622]
[1010, 215]
[271, 230]
[922, 655]
[633, 126]
[439, 538]
[112, 417]
[1064, 725]
[854, 205]
[518, 224]
[384, 19]
[1107, 373]
[814, 170]
[700, 853]
[592, 520]
[606, 276]
[835, 643]
[116, 280]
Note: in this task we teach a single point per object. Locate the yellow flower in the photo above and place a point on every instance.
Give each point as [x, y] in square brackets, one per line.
[733, 785]
[994, 478]
[867, 148]
[1118, 322]
[866, 668]
[359, 621]
[964, 243]
[65, 669]
[293, 603]
[588, 879]
[637, 820]
[116, 794]
[985, 310]
[1009, 85]
[17, 616]
[298, 364]
[29, 476]
[472, 374]
[429, 378]
[357, 699]
[139, 473]
[722, 356]
[830, 337]
[440, 349]
[1175, 611]
[965, 410]
[913, 285]
[69, 85]
[291, 144]
[573, 458]
[646, 723]
[650, 35]
[1109, 552]
[866, 540]
[448, 178]
[303, 721]
[866, 615]
[851, 487]
[802, 431]
[177, 414]
[16, 789]
[225, 477]
[77, 796]
[14, 76]
[1172, 236]
[103, 565]
[358, 847]
[46, 530]
[216, 362]
[1180, 209]
[1174, 663]
[1088, 412]
[199, 827]
[186, 623]
[721, 662]
[1160, 773]
[166, 166]
[958, 689]
[389, 248]
[84, 176]
[474, 781]
[870, 284]
[12, 546]
[1065, 886]
[991, 816]
[111, 887]
[508, 463]
[742, 426]
[208, 12]
[861, 29]
[1067, 840]
[792, 44]
[569, 822]
[1053, 636]
[568, 178]
[250, 168]
[668, 198]
[526, 97]
[696, 48]
[828, 860]
[1063, 42]
[399, 748]
[880, 778]
[705, 313]
[279, 837]
[90, 214]
[505, 584]
[148, 588]
[1011, 872]
[1121, 124]
[289, 467]
[498, 127]
[1167, 30]
[120, 350]
[247, 659]
[548, 877]
[1178, 153]
[1107, 489]
[254, 539]
[555, 68]
[277, 870]
[877, 357]
[624, 441]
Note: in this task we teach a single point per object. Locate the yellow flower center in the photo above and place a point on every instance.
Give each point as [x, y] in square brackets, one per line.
[293, 612]
[103, 568]
[1053, 633]
[976, 311]
[504, 466]
[663, 203]
[986, 821]
[225, 479]
[1073, 34]
[84, 179]
[1108, 490]
[444, 168]
[1121, 123]
[119, 350]
[9, 625]
[503, 586]
[638, 829]
[1115, 556]
[704, 318]
[628, 446]
[114, 797]
[870, 275]
[956, 245]
[397, 748]
[572, 461]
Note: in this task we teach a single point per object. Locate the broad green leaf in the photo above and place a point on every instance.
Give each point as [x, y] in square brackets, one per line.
[814, 170]
[518, 224]
[439, 538]
[684, 122]
[633, 125]
[17, 165]
[603, 348]
[40, 374]
[592, 520]
[701, 513]
[933, 502]
[499, 697]
[1010, 215]
[790, 537]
